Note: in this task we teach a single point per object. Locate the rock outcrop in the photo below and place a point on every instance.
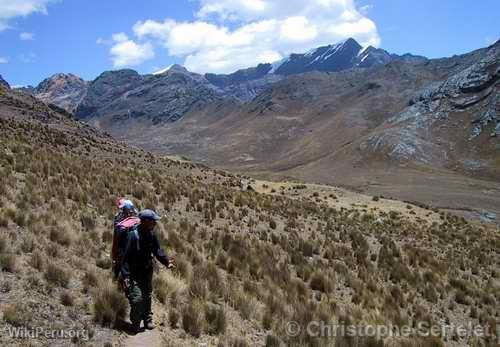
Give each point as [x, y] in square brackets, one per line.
[124, 94]
[444, 124]
[63, 90]
[4, 83]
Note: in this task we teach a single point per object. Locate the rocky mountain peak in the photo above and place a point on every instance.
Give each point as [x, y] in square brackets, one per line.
[63, 90]
[330, 58]
[178, 68]
[59, 82]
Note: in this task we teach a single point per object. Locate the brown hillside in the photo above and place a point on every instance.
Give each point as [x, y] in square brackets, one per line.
[248, 261]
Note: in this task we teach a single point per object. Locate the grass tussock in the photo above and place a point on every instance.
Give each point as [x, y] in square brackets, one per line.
[109, 304]
[57, 275]
[17, 315]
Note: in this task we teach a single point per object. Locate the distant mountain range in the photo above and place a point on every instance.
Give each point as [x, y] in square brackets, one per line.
[87, 99]
[337, 114]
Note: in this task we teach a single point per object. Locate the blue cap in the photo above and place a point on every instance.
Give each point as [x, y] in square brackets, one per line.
[149, 215]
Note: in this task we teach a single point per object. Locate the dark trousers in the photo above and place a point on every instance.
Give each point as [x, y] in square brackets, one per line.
[139, 296]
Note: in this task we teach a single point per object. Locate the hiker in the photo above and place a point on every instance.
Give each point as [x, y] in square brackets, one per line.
[137, 268]
[125, 221]
[126, 209]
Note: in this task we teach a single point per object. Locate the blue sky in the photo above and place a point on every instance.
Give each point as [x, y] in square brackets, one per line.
[42, 37]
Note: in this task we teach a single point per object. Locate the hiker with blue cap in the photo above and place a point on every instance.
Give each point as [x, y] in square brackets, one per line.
[137, 268]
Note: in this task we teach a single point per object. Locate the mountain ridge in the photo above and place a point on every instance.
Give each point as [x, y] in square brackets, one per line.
[69, 91]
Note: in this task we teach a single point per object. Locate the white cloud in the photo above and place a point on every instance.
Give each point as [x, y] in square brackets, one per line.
[10, 9]
[234, 9]
[126, 52]
[3, 60]
[298, 29]
[232, 34]
[153, 28]
[25, 36]
[27, 57]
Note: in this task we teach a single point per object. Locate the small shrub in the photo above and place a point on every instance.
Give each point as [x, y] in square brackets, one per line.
[4, 222]
[67, 298]
[320, 282]
[107, 236]
[17, 315]
[192, 319]
[90, 278]
[183, 267]
[272, 224]
[5, 287]
[173, 318]
[462, 298]
[61, 236]
[198, 288]
[28, 244]
[37, 261]
[3, 243]
[8, 262]
[167, 285]
[57, 275]
[20, 218]
[216, 320]
[272, 341]
[109, 306]
[239, 342]
[88, 222]
[160, 291]
[104, 263]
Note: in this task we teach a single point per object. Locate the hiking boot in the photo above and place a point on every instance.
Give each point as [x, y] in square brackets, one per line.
[135, 328]
[149, 325]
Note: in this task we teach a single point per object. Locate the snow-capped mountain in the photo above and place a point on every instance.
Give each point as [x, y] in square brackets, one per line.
[327, 58]
[245, 84]
[341, 56]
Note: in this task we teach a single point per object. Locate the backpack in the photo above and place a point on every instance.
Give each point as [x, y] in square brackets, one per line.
[120, 236]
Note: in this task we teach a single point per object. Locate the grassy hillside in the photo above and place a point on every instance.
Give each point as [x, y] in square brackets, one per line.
[248, 261]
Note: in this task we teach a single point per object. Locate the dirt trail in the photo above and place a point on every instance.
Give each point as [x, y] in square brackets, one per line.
[147, 338]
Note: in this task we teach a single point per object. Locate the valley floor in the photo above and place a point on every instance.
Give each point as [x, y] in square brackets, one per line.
[473, 198]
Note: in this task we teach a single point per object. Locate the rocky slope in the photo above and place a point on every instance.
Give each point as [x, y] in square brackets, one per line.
[116, 96]
[304, 117]
[450, 123]
[64, 90]
[245, 84]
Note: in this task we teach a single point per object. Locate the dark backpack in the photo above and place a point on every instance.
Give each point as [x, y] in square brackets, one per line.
[120, 237]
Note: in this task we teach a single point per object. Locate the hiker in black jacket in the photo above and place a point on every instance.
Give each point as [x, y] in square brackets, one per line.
[137, 268]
